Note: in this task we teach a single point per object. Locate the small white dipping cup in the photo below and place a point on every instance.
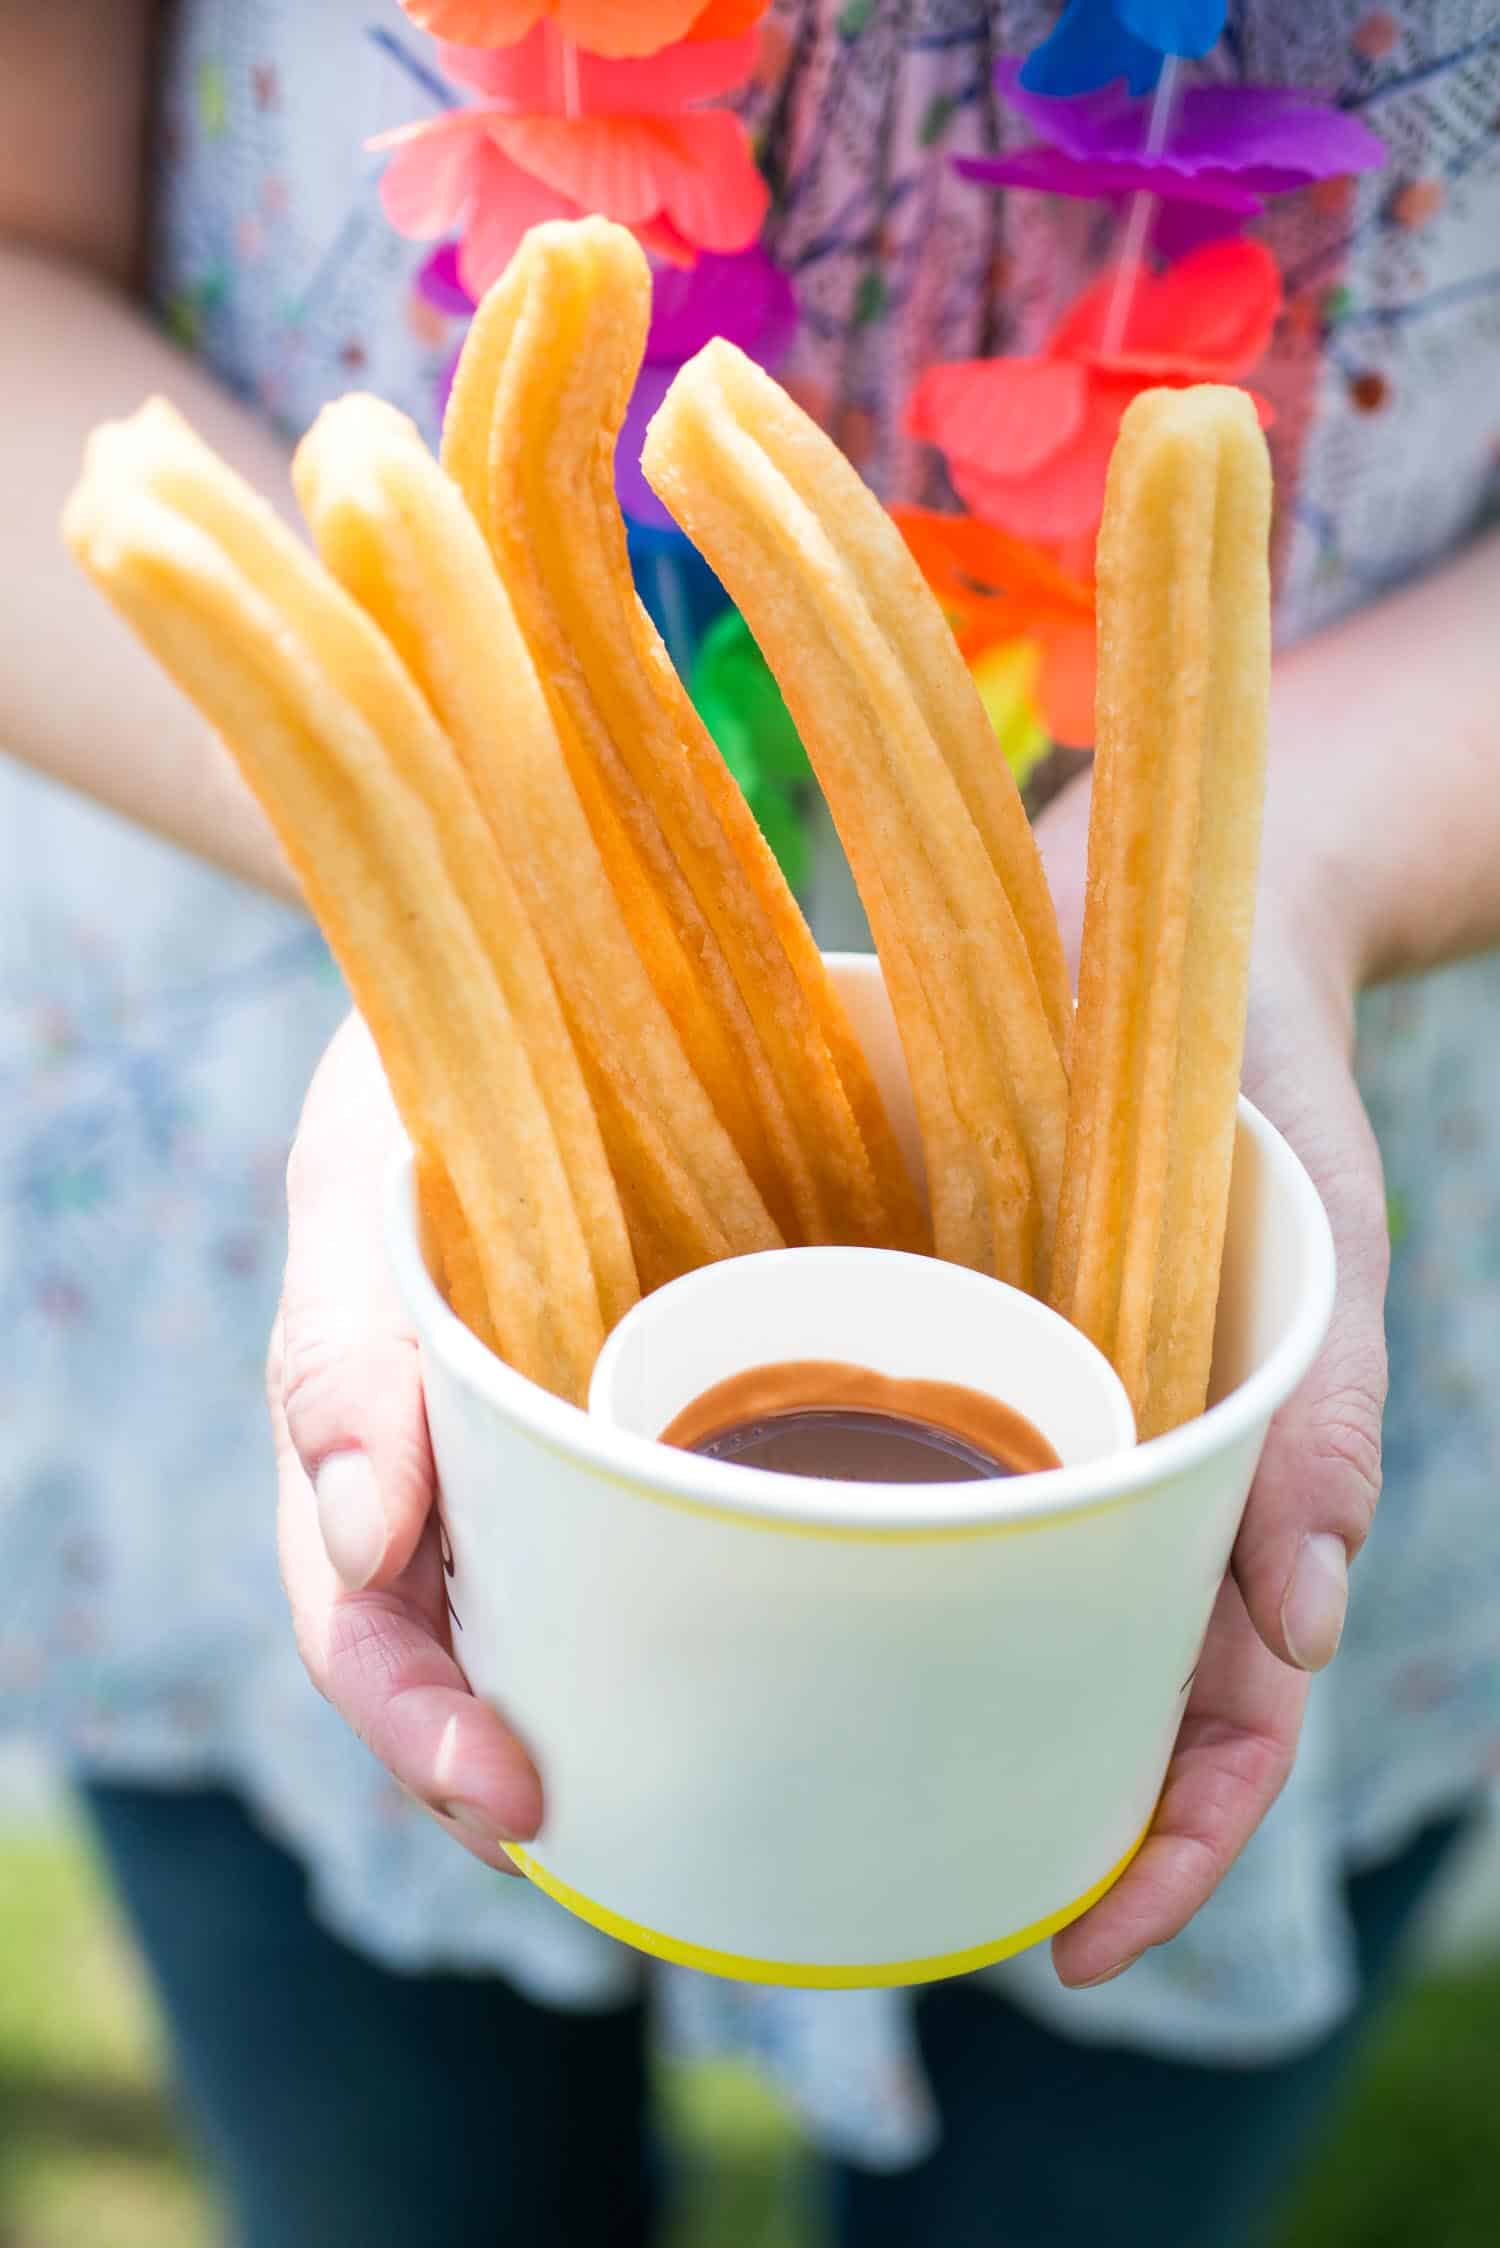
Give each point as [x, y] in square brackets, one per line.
[912, 1317]
[845, 1734]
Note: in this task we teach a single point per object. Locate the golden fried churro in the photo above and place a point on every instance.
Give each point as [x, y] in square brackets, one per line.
[397, 863]
[537, 404]
[1174, 834]
[894, 590]
[933, 828]
[396, 533]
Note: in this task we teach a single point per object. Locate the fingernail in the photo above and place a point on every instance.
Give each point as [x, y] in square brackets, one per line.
[1312, 1613]
[477, 1825]
[350, 1517]
[1109, 1975]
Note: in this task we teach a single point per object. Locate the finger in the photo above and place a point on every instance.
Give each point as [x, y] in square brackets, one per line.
[348, 1377]
[1230, 1763]
[312, 1583]
[1319, 1477]
[382, 1660]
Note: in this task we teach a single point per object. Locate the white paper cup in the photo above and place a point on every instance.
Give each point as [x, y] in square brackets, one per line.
[836, 1735]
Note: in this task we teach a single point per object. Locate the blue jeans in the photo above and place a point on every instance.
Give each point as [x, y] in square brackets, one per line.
[349, 2107]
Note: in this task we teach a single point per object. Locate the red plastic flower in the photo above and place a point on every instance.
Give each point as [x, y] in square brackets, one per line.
[1027, 441]
[603, 27]
[994, 589]
[560, 134]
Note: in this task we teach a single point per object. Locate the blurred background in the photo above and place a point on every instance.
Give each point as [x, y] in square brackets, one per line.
[93, 2156]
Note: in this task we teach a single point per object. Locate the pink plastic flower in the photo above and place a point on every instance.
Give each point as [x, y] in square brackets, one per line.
[560, 134]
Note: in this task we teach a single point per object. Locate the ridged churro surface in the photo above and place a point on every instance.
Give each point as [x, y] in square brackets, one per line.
[1174, 836]
[394, 530]
[932, 824]
[537, 404]
[396, 861]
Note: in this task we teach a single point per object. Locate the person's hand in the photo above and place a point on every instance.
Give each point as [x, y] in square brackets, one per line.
[1281, 1609]
[358, 1535]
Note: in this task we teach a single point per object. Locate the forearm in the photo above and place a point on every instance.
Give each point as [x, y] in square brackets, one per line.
[78, 698]
[1384, 798]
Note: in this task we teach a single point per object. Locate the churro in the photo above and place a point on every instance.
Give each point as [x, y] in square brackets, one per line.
[398, 865]
[931, 822]
[537, 404]
[1179, 775]
[395, 532]
[608, 1031]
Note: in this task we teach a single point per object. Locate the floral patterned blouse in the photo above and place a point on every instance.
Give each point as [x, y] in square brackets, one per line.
[158, 1024]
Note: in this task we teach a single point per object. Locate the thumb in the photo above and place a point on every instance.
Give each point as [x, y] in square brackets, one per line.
[1319, 1478]
[346, 1390]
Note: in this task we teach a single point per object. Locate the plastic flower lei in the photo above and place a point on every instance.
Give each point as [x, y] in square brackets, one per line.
[1027, 440]
[567, 106]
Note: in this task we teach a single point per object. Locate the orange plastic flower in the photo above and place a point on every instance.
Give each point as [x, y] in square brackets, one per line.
[602, 27]
[541, 75]
[1027, 441]
[620, 138]
[997, 589]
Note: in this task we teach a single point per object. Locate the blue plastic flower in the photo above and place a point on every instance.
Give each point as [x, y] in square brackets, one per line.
[1096, 42]
[1174, 27]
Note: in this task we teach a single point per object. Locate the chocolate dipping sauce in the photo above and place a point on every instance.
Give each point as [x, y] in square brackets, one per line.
[844, 1423]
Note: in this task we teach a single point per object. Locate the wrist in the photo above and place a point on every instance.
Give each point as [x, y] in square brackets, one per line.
[1320, 925]
[1330, 863]
[1382, 820]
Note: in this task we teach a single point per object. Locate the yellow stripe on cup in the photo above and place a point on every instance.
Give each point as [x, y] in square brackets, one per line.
[808, 1975]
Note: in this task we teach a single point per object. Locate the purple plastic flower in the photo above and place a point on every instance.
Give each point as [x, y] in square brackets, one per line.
[1227, 148]
[439, 285]
[746, 298]
[1096, 42]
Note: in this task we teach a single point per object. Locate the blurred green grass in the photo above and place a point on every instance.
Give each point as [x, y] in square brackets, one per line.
[89, 2153]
